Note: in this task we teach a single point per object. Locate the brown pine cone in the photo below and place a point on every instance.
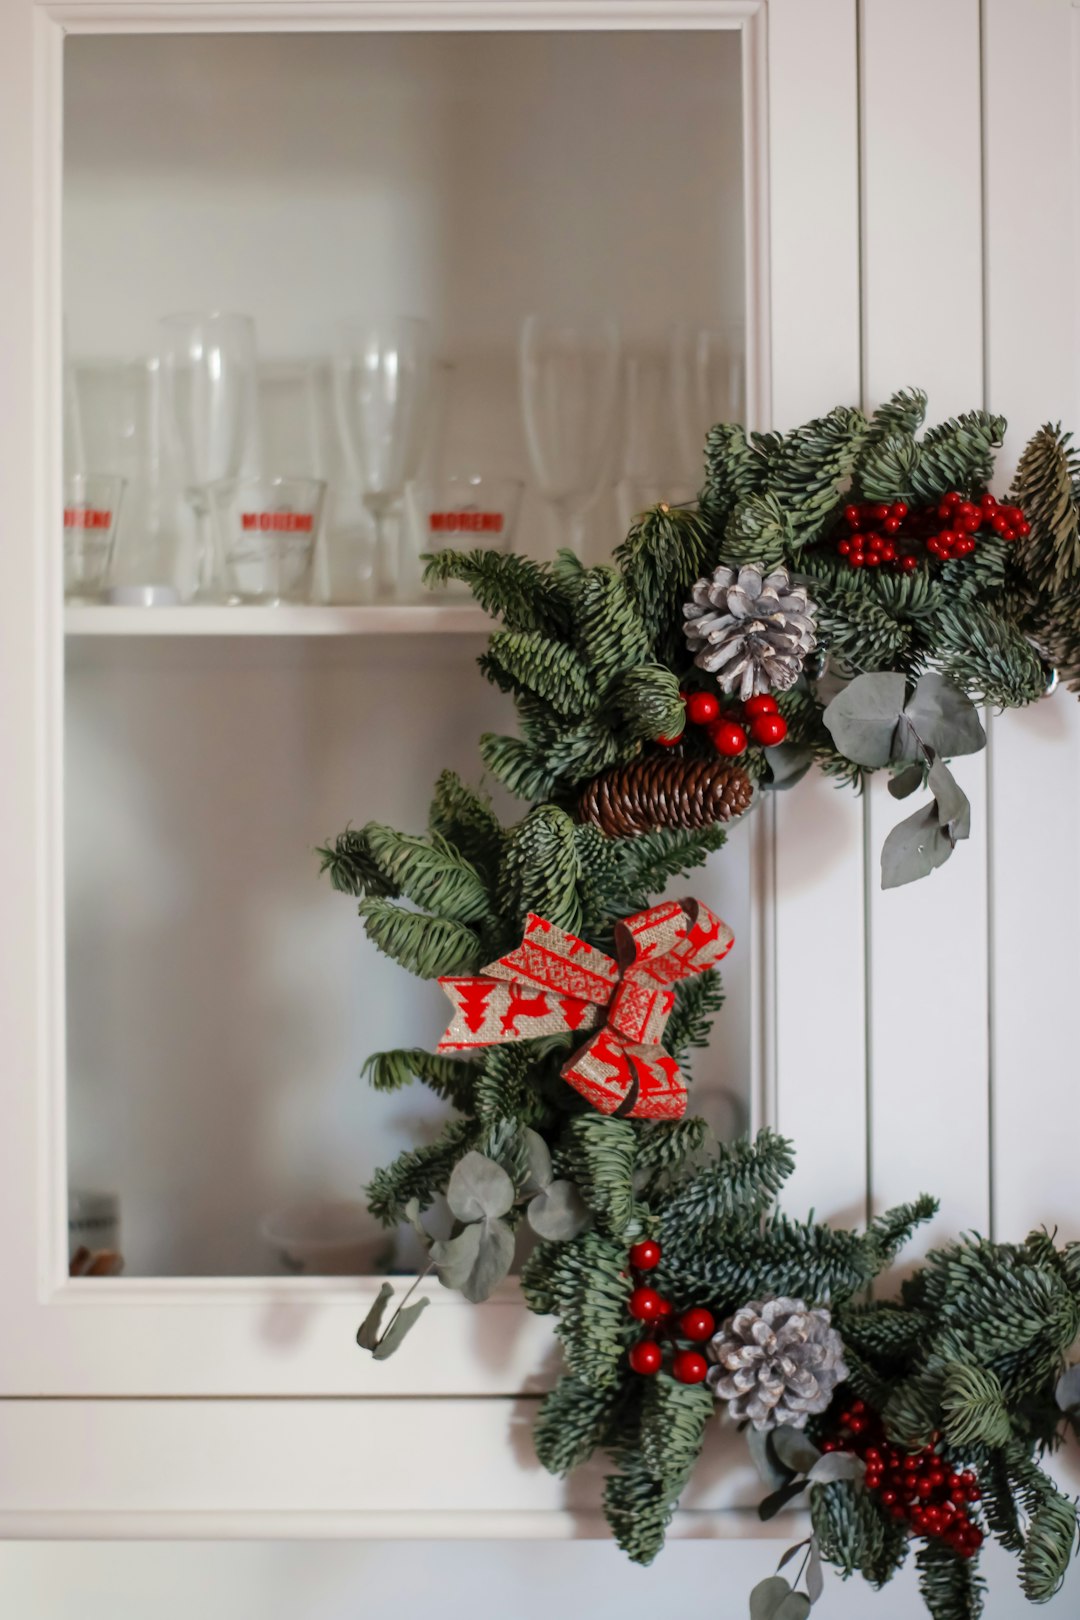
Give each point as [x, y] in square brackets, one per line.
[665, 790]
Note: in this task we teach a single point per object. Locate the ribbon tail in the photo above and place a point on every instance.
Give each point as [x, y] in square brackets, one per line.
[626, 1080]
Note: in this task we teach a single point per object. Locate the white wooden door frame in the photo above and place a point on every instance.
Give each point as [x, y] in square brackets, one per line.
[275, 1337]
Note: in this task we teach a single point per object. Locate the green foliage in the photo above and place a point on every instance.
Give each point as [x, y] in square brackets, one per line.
[664, 553]
[670, 1145]
[950, 1586]
[351, 867]
[583, 1284]
[429, 872]
[1045, 488]
[463, 817]
[528, 661]
[741, 1184]
[734, 470]
[574, 1419]
[958, 454]
[449, 1077]
[988, 656]
[973, 1406]
[655, 1459]
[419, 1173]
[541, 871]
[855, 1534]
[809, 468]
[697, 1002]
[597, 1152]
[522, 593]
[1049, 1545]
[425, 945]
[505, 1086]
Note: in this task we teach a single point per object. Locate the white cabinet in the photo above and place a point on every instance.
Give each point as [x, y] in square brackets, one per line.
[184, 1008]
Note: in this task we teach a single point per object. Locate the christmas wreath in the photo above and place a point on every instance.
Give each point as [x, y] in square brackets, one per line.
[848, 595]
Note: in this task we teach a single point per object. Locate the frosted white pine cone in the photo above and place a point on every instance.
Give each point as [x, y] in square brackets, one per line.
[750, 629]
[777, 1361]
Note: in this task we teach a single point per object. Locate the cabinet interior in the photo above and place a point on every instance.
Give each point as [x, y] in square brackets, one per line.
[220, 999]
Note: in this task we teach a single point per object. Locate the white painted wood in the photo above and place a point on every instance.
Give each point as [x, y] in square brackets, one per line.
[1032, 69]
[326, 1467]
[191, 1337]
[818, 865]
[922, 321]
[381, 620]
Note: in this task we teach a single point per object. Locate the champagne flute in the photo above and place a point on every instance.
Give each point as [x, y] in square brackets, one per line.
[382, 377]
[569, 397]
[708, 385]
[208, 375]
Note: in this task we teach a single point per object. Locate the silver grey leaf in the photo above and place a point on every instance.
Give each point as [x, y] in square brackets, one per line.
[558, 1213]
[945, 717]
[794, 1450]
[914, 848]
[405, 1319]
[478, 1187]
[477, 1260]
[367, 1334]
[795, 1607]
[815, 1576]
[767, 1596]
[906, 781]
[1067, 1392]
[953, 808]
[862, 719]
[538, 1175]
[836, 1465]
[770, 1472]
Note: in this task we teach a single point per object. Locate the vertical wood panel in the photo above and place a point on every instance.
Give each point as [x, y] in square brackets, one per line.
[818, 872]
[1032, 60]
[922, 311]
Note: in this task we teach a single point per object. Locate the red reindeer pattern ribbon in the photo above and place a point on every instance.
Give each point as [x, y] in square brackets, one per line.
[555, 982]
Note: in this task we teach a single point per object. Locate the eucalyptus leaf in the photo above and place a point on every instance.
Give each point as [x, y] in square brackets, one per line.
[559, 1213]
[788, 763]
[906, 782]
[944, 717]
[1067, 1392]
[774, 1504]
[411, 1211]
[836, 1465]
[770, 1471]
[367, 1334]
[815, 1575]
[795, 1607]
[479, 1187]
[405, 1319]
[914, 848]
[792, 1552]
[953, 808]
[794, 1449]
[862, 719]
[538, 1173]
[767, 1597]
[476, 1260]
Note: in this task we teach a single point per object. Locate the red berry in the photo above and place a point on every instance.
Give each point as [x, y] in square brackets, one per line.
[646, 1357]
[702, 708]
[964, 547]
[1014, 514]
[844, 547]
[1022, 528]
[879, 513]
[888, 1499]
[645, 1304]
[856, 559]
[768, 729]
[669, 742]
[645, 1256]
[852, 516]
[728, 738]
[988, 502]
[1000, 523]
[874, 560]
[689, 1367]
[764, 704]
[666, 1306]
[909, 564]
[888, 553]
[891, 525]
[899, 509]
[697, 1324]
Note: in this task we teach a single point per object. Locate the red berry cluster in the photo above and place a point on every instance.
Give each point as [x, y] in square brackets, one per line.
[730, 731]
[917, 1488]
[875, 535]
[647, 1305]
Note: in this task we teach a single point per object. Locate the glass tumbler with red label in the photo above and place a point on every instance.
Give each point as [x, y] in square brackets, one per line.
[468, 512]
[267, 529]
[91, 510]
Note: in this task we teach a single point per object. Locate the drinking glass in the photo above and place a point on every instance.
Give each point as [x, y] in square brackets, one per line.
[708, 385]
[91, 508]
[382, 375]
[467, 512]
[122, 428]
[267, 529]
[208, 373]
[569, 398]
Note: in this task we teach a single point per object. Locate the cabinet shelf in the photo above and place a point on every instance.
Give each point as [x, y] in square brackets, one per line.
[379, 620]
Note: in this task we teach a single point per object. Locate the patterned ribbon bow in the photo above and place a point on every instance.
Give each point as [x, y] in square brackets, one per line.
[554, 982]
